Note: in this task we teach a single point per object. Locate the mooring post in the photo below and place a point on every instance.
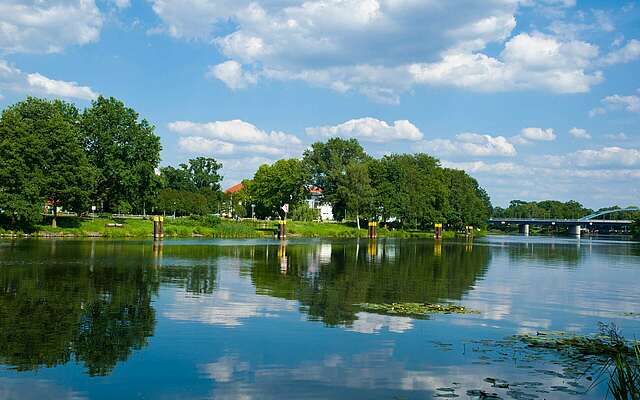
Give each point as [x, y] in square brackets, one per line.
[438, 231]
[372, 232]
[156, 231]
[282, 229]
[469, 230]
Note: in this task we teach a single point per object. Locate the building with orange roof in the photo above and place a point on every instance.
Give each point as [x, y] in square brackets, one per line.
[235, 188]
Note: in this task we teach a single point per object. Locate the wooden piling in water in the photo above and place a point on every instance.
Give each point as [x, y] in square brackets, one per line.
[158, 228]
[282, 229]
[372, 232]
[156, 232]
[438, 231]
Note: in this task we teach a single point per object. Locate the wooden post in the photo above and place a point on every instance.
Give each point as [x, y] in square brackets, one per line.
[156, 226]
[438, 231]
[372, 230]
[282, 229]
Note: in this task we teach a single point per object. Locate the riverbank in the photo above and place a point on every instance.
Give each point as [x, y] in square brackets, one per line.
[186, 227]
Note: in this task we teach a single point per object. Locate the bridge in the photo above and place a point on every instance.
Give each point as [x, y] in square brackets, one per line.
[575, 226]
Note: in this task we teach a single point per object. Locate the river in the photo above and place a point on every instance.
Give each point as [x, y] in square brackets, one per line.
[257, 319]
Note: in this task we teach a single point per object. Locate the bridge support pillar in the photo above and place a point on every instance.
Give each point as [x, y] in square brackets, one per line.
[524, 229]
[575, 230]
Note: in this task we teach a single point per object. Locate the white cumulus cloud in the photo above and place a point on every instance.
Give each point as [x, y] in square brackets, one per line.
[528, 135]
[35, 26]
[381, 48]
[628, 103]
[629, 52]
[225, 138]
[234, 131]
[13, 79]
[232, 74]
[370, 129]
[60, 88]
[201, 145]
[579, 133]
[609, 157]
[470, 144]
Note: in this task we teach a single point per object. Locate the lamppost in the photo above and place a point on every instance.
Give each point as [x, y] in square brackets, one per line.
[174, 210]
[253, 211]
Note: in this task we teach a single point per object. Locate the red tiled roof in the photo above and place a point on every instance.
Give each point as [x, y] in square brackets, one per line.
[235, 188]
[315, 190]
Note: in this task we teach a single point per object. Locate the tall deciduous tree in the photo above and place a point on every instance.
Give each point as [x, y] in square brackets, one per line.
[327, 163]
[468, 203]
[410, 188]
[42, 159]
[205, 173]
[278, 184]
[201, 173]
[354, 187]
[125, 151]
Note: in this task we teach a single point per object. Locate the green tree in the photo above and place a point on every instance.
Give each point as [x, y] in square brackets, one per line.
[177, 178]
[327, 162]
[182, 202]
[126, 152]
[205, 173]
[354, 188]
[302, 212]
[410, 188]
[280, 183]
[201, 173]
[468, 203]
[544, 209]
[42, 160]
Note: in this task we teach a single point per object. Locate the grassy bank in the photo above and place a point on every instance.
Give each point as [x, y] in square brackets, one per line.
[186, 227]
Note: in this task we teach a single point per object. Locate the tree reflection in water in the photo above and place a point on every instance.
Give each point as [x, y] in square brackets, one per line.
[57, 309]
[330, 282]
[91, 302]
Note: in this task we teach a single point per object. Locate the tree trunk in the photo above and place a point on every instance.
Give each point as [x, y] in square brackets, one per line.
[358, 220]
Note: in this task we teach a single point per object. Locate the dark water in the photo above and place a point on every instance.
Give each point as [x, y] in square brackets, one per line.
[257, 320]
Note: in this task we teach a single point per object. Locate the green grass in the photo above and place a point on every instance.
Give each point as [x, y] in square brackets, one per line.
[213, 228]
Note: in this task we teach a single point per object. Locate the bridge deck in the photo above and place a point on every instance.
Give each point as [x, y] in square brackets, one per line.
[569, 222]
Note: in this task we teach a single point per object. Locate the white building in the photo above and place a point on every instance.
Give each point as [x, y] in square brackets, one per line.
[315, 202]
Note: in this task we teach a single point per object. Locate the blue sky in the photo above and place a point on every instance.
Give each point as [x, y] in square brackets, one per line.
[537, 99]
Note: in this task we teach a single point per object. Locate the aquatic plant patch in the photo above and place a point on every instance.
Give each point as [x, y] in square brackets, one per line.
[600, 345]
[416, 310]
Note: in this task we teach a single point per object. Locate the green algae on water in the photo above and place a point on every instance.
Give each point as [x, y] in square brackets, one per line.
[584, 345]
[416, 310]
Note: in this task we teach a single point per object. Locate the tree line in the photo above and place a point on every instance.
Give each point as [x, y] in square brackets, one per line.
[53, 155]
[556, 210]
[409, 190]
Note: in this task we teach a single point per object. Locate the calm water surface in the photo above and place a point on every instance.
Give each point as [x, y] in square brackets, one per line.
[261, 320]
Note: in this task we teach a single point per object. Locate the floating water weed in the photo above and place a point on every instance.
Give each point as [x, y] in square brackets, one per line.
[417, 310]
